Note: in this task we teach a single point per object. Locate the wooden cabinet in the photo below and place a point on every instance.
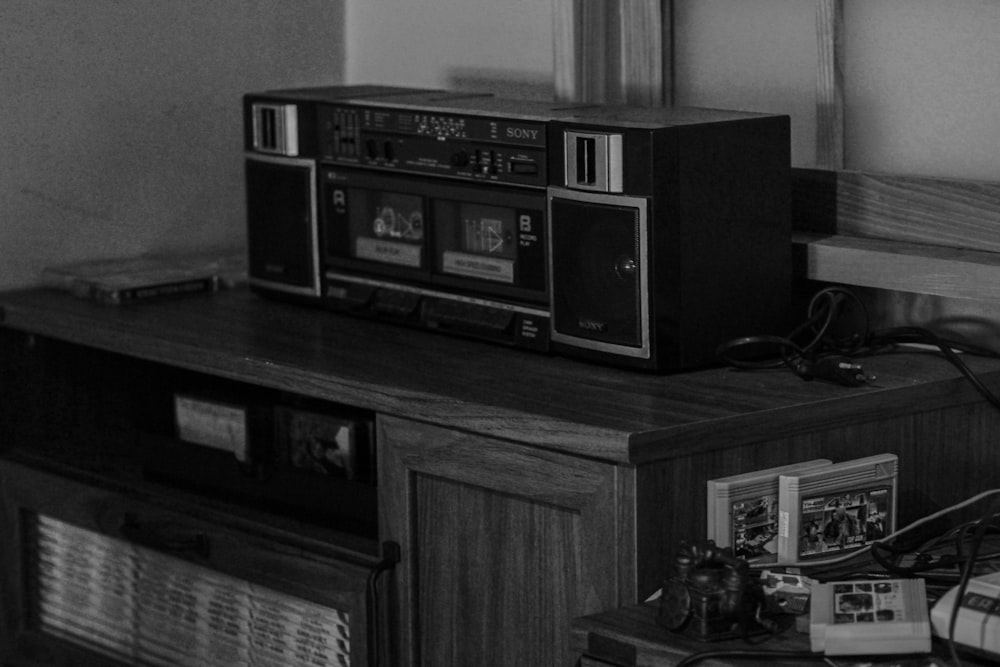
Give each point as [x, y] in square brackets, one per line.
[503, 542]
[136, 576]
[523, 490]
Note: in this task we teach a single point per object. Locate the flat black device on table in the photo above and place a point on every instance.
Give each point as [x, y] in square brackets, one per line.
[636, 237]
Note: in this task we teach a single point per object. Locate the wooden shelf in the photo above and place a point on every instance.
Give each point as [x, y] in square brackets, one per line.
[552, 402]
[633, 632]
[901, 266]
[497, 468]
[905, 233]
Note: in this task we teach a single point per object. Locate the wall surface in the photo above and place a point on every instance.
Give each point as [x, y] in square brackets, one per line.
[754, 56]
[922, 87]
[121, 130]
[504, 47]
[922, 91]
[921, 82]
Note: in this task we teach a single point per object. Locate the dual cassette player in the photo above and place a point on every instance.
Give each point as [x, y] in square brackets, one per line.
[636, 237]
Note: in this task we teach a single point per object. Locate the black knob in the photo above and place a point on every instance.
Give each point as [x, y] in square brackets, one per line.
[460, 159]
[625, 267]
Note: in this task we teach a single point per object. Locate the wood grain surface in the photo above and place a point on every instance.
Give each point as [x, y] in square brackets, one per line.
[505, 544]
[633, 630]
[646, 67]
[586, 50]
[829, 85]
[902, 266]
[559, 403]
[954, 213]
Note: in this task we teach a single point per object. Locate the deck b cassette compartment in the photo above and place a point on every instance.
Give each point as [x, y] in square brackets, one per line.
[669, 233]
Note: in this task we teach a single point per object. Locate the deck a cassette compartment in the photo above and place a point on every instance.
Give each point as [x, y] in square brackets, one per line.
[282, 132]
[669, 233]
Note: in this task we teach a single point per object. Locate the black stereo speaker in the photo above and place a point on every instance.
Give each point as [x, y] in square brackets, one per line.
[282, 225]
[669, 234]
[641, 237]
[599, 275]
[286, 135]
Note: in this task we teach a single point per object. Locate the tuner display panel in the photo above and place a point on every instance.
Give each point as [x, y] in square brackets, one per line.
[491, 150]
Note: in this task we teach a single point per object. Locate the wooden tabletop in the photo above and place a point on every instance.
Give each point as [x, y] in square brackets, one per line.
[631, 636]
[559, 403]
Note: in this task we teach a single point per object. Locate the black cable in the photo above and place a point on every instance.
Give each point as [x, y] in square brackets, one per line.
[835, 298]
[822, 314]
[947, 347]
[749, 654]
[810, 350]
[966, 563]
[780, 343]
[977, 540]
[826, 357]
[957, 559]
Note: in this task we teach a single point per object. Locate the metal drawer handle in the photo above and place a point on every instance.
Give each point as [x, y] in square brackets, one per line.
[390, 556]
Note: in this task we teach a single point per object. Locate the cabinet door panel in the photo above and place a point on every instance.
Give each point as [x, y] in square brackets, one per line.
[502, 544]
[145, 578]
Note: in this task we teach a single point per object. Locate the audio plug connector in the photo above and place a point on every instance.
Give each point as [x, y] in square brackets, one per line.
[838, 369]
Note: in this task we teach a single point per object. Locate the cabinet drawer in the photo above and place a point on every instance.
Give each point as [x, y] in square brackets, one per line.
[142, 579]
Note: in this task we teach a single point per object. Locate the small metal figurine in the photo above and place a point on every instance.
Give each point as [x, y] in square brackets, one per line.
[710, 594]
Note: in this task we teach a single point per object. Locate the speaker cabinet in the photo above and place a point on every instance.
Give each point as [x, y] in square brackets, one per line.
[669, 234]
[282, 225]
[600, 279]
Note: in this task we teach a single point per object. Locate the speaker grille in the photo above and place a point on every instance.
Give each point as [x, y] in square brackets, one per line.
[142, 607]
[597, 269]
[281, 223]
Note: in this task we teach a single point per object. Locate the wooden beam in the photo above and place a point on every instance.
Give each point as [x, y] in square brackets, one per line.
[612, 51]
[829, 85]
[667, 50]
[564, 50]
[905, 233]
[903, 267]
[915, 209]
[586, 63]
[645, 39]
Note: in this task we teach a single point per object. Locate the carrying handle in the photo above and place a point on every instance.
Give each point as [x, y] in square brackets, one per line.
[163, 536]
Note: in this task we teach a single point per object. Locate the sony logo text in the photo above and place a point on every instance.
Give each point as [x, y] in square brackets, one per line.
[522, 133]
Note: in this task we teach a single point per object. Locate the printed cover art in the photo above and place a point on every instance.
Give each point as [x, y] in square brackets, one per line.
[869, 602]
[844, 521]
[316, 442]
[755, 527]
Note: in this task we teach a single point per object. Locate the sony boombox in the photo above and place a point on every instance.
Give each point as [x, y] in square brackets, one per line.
[638, 237]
